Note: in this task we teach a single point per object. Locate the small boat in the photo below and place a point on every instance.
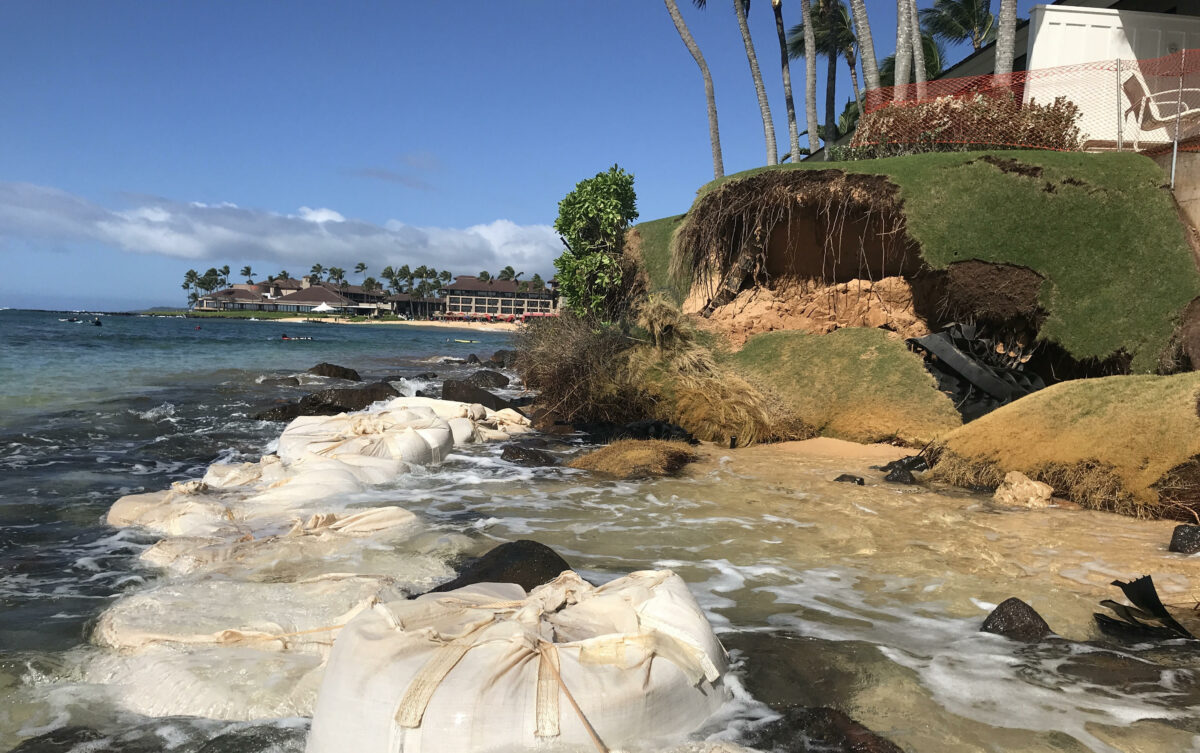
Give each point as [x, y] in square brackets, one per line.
[466, 341]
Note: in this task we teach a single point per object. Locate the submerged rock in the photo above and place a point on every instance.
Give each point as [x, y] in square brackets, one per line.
[330, 402]
[1018, 490]
[524, 455]
[524, 562]
[334, 371]
[281, 381]
[473, 360]
[848, 478]
[486, 379]
[807, 730]
[75, 739]
[465, 392]
[264, 739]
[634, 458]
[1185, 539]
[1017, 620]
[900, 475]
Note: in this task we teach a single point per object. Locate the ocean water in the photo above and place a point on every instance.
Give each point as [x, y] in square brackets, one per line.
[867, 599]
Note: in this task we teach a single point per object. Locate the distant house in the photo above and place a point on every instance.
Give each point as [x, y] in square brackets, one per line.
[471, 297]
[296, 296]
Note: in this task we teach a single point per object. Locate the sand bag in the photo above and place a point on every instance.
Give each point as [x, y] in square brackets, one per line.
[489, 667]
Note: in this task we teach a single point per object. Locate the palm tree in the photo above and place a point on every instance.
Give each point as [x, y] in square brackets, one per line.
[224, 275]
[283, 274]
[445, 277]
[739, 9]
[506, 273]
[903, 56]
[784, 64]
[248, 274]
[954, 21]
[336, 275]
[484, 276]
[190, 278]
[862, 32]
[833, 37]
[934, 57]
[360, 268]
[1006, 37]
[536, 284]
[370, 284]
[714, 134]
[316, 271]
[914, 32]
[810, 75]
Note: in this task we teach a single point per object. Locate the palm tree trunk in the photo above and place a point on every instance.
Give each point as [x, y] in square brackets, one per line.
[810, 74]
[830, 104]
[714, 134]
[849, 53]
[1006, 37]
[862, 31]
[793, 129]
[903, 50]
[739, 8]
[918, 45]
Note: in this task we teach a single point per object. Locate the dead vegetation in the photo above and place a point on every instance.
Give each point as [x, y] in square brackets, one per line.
[586, 372]
[637, 458]
[1125, 444]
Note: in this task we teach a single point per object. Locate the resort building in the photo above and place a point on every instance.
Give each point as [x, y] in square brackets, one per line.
[470, 297]
[298, 297]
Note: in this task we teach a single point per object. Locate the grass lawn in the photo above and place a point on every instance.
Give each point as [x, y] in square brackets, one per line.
[252, 315]
[1100, 228]
[1104, 443]
[655, 245]
[856, 383]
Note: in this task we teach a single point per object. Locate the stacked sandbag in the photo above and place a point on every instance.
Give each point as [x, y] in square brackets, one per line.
[490, 667]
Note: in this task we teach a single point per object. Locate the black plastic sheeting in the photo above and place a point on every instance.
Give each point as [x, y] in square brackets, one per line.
[977, 372]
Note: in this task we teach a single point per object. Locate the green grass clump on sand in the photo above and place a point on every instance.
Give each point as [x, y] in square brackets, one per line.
[1100, 228]
[856, 383]
[1126, 444]
[653, 243]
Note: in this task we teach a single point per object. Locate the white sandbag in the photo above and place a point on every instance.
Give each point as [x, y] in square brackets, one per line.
[319, 538]
[266, 616]
[462, 430]
[232, 683]
[487, 667]
[172, 513]
[446, 409]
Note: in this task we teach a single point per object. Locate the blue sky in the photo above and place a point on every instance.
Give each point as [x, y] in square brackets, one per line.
[141, 139]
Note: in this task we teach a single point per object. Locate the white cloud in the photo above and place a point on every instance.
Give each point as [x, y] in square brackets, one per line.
[224, 231]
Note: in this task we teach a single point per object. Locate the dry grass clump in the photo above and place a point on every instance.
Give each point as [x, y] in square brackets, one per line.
[637, 458]
[575, 366]
[1125, 444]
[691, 389]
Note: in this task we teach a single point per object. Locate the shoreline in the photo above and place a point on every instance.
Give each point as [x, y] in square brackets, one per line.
[465, 326]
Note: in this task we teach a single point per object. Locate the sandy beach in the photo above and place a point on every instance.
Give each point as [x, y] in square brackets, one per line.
[469, 326]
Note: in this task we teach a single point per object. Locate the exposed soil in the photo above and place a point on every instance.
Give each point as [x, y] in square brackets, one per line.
[820, 309]
[1183, 352]
[1179, 489]
[1010, 165]
[992, 293]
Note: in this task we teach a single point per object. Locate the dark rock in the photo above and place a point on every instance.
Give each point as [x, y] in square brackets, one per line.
[1185, 539]
[504, 358]
[335, 372]
[67, 739]
[427, 393]
[912, 463]
[330, 402]
[427, 375]
[487, 379]
[900, 475]
[465, 392]
[264, 739]
[281, 382]
[525, 455]
[524, 562]
[847, 478]
[1017, 620]
[805, 730]
[473, 360]
[285, 410]
[453, 361]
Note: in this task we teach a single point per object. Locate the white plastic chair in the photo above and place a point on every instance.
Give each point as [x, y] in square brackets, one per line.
[1158, 109]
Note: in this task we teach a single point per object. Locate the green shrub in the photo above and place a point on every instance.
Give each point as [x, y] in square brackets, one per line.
[592, 220]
